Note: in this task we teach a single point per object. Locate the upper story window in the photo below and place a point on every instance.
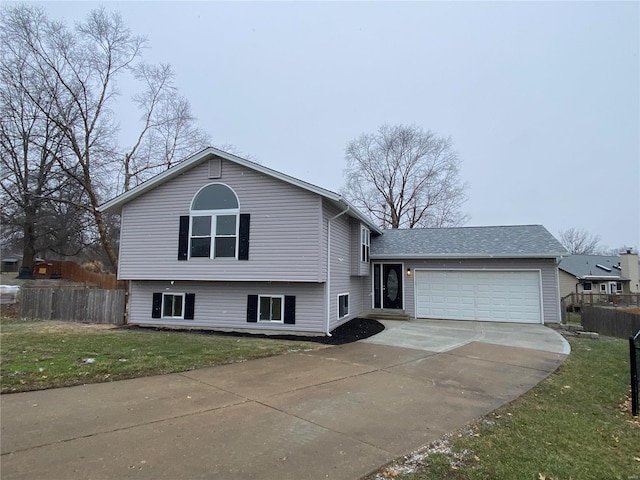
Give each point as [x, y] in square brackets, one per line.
[365, 241]
[214, 222]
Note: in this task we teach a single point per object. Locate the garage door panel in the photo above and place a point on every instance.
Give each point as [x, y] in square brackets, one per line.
[506, 296]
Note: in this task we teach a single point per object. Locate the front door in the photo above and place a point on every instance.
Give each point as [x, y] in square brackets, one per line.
[387, 285]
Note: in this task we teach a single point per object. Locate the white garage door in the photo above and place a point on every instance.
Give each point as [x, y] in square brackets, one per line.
[497, 296]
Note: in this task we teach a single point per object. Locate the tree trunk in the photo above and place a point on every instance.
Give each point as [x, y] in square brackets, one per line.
[102, 230]
[28, 246]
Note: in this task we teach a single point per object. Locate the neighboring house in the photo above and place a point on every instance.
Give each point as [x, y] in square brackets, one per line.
[606, 274]
[222, 242]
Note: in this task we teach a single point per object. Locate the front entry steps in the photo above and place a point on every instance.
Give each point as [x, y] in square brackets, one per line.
[386, 314]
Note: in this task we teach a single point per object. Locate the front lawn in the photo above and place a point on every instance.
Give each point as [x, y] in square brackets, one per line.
[38, 354]
[576, 425]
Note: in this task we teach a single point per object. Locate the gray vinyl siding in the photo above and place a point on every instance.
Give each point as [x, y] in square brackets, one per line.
[342, 281]
[285, 231]
[354, 230]
[224, 304]
[547, 267]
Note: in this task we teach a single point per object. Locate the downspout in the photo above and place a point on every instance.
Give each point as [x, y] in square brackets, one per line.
[328, 284]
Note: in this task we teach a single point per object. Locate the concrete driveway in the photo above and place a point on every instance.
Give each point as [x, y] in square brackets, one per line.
[338, 412]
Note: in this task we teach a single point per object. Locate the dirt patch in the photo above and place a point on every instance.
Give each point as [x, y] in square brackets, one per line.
[632, 310]
[54, 326]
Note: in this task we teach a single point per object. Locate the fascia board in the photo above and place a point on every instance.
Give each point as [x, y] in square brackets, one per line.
[440, 256]
[201, 156]
[601, 277]
[114, 205]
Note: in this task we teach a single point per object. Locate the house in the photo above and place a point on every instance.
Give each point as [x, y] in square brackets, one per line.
[601, 274]
[221, 242]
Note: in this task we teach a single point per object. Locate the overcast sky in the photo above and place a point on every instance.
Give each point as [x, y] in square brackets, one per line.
[541, 99]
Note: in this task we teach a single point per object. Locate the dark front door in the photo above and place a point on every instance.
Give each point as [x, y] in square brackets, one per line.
[387, 285]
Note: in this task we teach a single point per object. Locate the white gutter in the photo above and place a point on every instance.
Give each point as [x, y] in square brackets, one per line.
[328, 284]
[460, 256]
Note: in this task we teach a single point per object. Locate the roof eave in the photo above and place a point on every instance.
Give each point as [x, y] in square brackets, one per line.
[454, 256]
[603, 277]
[115, 205]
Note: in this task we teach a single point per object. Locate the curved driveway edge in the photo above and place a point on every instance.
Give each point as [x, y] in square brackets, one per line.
[445, 335]
[338, 412]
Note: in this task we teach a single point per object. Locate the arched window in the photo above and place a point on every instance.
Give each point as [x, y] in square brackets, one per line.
[214, 222]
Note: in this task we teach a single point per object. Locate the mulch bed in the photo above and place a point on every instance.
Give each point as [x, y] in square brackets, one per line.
[352, 331]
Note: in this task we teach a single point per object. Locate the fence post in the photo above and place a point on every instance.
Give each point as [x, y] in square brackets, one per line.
[634, 359]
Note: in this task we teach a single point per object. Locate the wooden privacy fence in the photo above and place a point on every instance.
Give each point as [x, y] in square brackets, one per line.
[76, 273]
[90, 305]
[613, 322]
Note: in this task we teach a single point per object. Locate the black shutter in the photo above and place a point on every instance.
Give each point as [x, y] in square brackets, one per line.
[183, 238]
[252, 308]
[156, 309]
[189, 306]
[290, 309]
[243, 249]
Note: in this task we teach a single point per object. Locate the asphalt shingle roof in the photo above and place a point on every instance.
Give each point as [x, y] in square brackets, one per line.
[480, 242]
[581, 266]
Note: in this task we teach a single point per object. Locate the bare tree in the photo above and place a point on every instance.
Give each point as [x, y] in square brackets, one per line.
[169, 132]
[579, 242]
[68, 77]
[30, 148]
[77, 71]
[405, 177]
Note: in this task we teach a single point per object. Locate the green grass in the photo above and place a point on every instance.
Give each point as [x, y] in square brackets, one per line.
[574, 425]
[574, 318]
[47, 354]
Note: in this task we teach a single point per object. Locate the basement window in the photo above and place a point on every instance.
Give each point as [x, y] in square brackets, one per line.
[270, 308]
[172, 305]
[343, 305]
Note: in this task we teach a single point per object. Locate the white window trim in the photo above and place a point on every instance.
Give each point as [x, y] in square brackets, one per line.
[619, 284]
[348, 305]
[281, 297]
[213, 214]
[603, 288]
[212, 234]
[365, 241]
[173, 294]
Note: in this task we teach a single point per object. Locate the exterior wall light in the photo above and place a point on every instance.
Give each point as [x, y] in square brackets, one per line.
[408, 272]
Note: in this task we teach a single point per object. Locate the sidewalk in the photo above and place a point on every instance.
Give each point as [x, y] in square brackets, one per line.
[337, 413]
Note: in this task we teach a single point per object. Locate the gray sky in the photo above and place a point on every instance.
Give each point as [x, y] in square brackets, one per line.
[541, 99]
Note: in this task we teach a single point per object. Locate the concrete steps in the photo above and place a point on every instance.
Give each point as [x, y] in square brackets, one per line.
[381, 314]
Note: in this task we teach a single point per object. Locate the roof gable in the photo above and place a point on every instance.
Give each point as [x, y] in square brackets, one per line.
[515, 241]
[115, 205]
